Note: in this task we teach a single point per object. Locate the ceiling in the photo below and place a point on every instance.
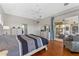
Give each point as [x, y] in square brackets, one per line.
[35, 10]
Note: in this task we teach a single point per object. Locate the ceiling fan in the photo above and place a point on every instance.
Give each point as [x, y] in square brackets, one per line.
[65, 4]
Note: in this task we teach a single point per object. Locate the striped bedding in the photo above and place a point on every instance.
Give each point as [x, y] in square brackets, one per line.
[44, 40]
[21, 44]
[30, 43]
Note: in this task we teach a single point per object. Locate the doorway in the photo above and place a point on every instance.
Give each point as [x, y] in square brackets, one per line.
[66, 26]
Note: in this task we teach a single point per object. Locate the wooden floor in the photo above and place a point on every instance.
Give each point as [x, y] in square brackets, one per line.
[55, 48]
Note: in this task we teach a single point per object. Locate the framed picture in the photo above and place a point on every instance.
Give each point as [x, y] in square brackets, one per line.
[74, 29]
[67, 28]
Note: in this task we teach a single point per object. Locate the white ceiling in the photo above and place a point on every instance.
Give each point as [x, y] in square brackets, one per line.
[34, 10]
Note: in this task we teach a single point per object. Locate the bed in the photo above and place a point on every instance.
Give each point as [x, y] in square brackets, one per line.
[22, 45]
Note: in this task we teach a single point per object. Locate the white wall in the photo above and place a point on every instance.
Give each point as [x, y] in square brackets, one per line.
[32, 26]
[11, 20]
[1, 20]
[2, 14]
[46, 21]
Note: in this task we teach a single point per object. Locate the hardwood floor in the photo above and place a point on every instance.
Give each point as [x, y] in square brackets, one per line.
[55, 48]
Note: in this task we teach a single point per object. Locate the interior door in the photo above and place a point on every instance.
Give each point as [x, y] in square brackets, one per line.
[25, 28]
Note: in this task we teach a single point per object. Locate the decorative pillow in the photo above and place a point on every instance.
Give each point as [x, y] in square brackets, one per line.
[70, 38]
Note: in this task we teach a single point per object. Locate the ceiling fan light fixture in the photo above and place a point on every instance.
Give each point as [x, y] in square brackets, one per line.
[65, 4]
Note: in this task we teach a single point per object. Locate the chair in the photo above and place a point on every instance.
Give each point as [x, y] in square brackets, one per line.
[72, 43]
